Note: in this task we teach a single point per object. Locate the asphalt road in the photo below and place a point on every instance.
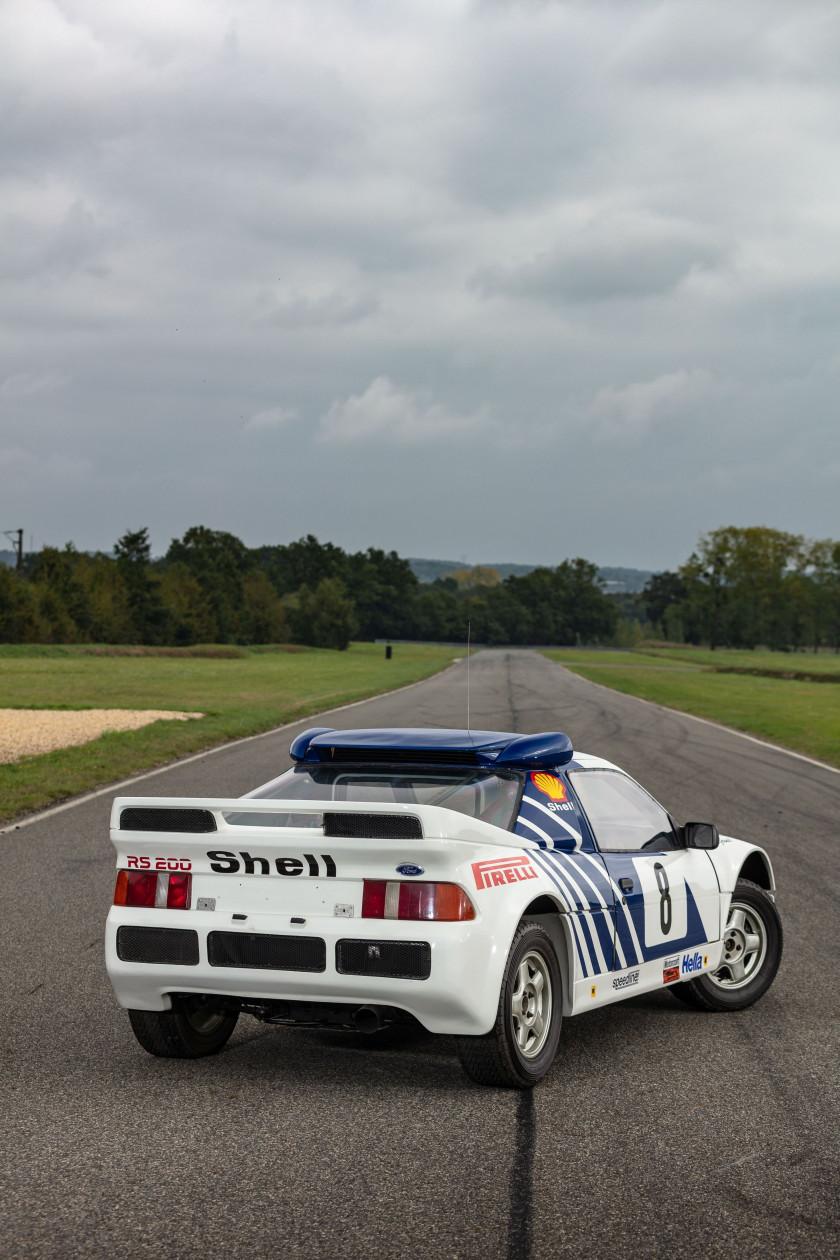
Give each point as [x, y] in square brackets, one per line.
[660, 1131]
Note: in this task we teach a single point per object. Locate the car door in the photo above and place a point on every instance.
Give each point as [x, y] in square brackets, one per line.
[667, 896]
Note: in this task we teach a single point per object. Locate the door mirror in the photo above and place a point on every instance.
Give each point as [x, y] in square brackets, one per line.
[698, 835]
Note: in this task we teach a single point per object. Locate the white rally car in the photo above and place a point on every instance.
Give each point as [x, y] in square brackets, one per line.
[482, 883]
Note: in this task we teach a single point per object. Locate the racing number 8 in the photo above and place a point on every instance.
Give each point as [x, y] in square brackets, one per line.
[662, 884]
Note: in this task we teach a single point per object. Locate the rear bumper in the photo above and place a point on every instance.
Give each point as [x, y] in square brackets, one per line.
[460, 994]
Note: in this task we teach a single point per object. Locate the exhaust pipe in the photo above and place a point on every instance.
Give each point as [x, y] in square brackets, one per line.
[367, 1019]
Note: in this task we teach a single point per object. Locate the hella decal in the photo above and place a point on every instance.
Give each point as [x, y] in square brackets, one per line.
[692, 962]
[624, 982]
[408, 868]
[225, 863]
[501, 871]
[670, 974]
[157, 864]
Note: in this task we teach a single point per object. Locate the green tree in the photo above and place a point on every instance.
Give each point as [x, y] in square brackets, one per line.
[133, 553]
[189, 617]
[20, 615]
[219, 562]
[263, 616]
[324, 617]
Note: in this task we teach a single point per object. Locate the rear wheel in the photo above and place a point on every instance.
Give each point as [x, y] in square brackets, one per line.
[521, 1045]
[752, 951]
[190, 1030]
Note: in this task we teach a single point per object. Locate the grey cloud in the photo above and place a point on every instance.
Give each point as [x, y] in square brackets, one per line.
[384, 412]
[608, 260]
[299, 310]
[386, 272]
[78, 241]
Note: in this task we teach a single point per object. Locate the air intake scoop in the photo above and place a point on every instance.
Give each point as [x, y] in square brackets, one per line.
[433, 746]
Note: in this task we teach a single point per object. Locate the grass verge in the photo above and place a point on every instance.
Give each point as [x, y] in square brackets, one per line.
[804, 666]
[799, 715]
[240, 695]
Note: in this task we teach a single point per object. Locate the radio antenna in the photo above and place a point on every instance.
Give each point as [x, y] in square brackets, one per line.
[469, 634]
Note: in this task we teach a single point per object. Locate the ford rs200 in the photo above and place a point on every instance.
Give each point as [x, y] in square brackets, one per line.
[482, 884]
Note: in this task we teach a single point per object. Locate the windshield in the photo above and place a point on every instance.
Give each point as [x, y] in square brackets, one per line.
[484, 794]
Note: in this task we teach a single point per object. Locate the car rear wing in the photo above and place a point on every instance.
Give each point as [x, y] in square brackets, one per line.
[193, 820]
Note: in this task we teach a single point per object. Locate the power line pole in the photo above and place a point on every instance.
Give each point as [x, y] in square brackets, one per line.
[16, 537]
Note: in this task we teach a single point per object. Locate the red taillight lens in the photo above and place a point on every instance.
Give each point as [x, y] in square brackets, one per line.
[149, 889]
[417, 901]
[178, 893]
[140, 888]
[394, 899]
[373, 899]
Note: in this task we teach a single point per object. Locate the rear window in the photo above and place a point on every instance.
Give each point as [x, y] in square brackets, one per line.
[488, 795]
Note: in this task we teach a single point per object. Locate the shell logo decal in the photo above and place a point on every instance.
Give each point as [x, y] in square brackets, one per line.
[549, 785]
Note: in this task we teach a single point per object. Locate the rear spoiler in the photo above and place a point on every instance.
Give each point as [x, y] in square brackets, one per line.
[192, 819]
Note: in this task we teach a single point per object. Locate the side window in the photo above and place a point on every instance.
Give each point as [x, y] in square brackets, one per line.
[622, 815]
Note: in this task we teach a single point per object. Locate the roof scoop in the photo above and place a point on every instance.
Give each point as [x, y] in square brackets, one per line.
[537, 752]
[300, 743]
[434, 746]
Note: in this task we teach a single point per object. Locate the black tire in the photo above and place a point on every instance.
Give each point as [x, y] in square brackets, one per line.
[497, 1058]
[726, 989]
[190, 1030]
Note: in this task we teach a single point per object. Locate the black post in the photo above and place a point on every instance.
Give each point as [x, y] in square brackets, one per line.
[388, 651]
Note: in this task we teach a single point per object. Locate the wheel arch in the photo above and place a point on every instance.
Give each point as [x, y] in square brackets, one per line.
[552, 916]
[756, 867]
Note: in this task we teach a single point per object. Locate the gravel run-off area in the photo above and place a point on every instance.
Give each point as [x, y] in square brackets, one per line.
[27, 732]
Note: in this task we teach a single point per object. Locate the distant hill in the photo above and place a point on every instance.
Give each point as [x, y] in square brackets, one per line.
[617, 581]
[431, 570]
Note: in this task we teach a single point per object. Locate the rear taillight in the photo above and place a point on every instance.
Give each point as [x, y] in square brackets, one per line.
[150, 889]
[395, 899]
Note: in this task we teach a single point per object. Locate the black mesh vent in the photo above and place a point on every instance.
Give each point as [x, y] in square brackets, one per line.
[194, 820]
[402, 960]
[373, 826]
[266, 953]
[401, 756]
[158, 945]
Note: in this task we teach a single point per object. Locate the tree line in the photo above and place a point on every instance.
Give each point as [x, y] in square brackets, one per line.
[750, 587]
[211, 588]
[741, 588]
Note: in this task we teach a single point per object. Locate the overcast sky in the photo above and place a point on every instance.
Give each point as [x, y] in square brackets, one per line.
[485, 281]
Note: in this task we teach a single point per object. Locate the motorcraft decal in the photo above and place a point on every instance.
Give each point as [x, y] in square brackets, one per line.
[501, 871]
[224, 862]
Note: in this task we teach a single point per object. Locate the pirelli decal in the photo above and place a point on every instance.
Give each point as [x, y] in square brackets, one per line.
[500, 871]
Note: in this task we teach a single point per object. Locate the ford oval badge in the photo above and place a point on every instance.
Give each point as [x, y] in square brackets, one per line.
[408, 868]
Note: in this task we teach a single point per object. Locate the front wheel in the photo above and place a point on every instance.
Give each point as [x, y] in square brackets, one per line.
[521, 1045]
[189, 1031]
[752, 951]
